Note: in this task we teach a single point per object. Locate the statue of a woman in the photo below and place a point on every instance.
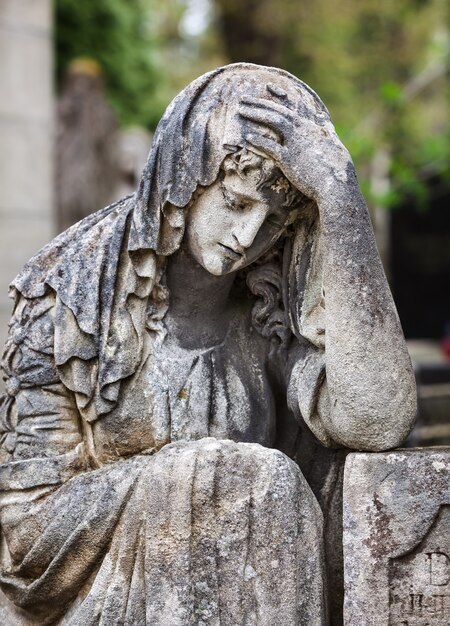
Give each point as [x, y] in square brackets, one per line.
[166, 357]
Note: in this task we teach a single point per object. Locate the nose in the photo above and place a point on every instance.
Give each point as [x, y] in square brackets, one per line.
[246, 229]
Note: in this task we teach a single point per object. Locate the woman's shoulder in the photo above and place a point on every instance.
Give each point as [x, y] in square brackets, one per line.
[29, 352]
[74, 247]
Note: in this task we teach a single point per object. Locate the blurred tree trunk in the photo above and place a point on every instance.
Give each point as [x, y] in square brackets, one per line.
[86, 163]
[251, 30]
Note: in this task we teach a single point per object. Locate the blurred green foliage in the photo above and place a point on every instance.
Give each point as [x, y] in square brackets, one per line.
[144, 56]
[381, 67]
[113, 33]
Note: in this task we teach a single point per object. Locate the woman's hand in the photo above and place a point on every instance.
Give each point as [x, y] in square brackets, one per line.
[308, 152]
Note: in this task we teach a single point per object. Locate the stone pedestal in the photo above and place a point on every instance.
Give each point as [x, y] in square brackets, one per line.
[26, 184]
[397, 538]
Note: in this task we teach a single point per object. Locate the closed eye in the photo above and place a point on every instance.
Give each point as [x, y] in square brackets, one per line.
[232, 201]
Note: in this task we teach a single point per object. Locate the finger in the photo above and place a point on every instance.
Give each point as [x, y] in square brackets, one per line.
[263, 115]
[275, 117]
[276, 91]
[269, 105]
[269, 147]
[271, 120]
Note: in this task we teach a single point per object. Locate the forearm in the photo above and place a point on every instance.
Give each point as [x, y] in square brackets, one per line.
[369, 380]
[367, 399]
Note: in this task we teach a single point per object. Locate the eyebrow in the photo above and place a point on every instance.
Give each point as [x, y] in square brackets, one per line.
[240, 194]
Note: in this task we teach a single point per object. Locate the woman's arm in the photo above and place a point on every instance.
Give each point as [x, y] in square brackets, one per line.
[369, 379]
[367, 398]
[38, 414]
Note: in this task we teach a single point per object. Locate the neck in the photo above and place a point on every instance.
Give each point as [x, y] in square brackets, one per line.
[198, 300]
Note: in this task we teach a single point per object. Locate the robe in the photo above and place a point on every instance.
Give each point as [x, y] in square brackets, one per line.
[189, 514]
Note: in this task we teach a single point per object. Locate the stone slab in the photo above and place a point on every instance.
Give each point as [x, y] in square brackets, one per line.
[397, 538]
[26, 169]
[26, 71]
[34, 16]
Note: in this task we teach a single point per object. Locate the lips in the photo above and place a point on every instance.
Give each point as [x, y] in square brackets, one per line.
[230, 253]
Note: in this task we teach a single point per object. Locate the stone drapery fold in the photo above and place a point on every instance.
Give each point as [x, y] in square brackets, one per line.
[207, 531]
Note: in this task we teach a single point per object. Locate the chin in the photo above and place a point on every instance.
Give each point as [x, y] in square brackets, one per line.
[219, 266]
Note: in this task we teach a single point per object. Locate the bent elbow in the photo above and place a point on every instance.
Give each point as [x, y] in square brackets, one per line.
[375, 426]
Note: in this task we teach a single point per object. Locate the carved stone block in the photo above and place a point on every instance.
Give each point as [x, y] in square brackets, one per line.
[397, 538]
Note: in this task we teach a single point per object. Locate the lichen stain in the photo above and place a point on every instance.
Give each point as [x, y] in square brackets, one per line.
[380, 542]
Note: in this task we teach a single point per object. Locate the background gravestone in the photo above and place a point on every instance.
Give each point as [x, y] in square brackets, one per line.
[397, 538]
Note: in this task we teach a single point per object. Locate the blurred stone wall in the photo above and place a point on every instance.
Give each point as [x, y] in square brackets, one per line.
[26, 138]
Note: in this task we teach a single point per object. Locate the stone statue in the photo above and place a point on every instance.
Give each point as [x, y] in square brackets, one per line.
[168, 357]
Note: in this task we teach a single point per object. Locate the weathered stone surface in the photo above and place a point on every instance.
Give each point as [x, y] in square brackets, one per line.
[397, 538]
[177, 363]
[223, 527]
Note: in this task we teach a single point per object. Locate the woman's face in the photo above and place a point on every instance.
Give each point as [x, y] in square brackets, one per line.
[232, 223]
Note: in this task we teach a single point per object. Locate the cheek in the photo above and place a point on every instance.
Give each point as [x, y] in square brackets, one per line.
[208, 227]
[220, 220]
[205, 225]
